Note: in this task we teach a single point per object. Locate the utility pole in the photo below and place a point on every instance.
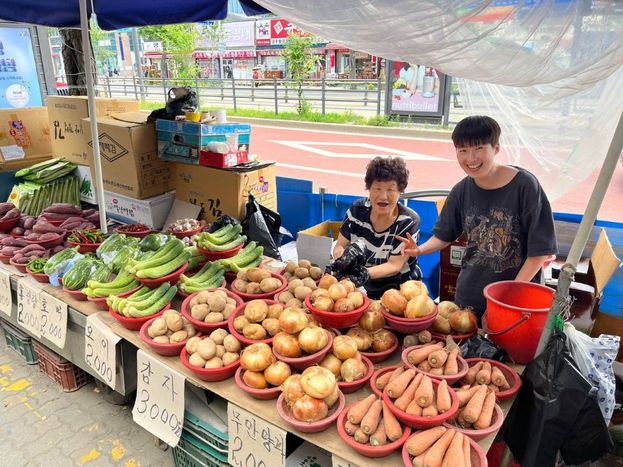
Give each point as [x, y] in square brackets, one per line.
[137, 60]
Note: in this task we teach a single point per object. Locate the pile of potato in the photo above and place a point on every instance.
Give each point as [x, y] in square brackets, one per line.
[256, 281]
[212, 307]
[301, 270]
[297, 290]
[170, 328]
[217, 350]
[259, 320]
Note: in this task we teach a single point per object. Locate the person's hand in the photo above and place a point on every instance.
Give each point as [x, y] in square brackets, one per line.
[410, 247]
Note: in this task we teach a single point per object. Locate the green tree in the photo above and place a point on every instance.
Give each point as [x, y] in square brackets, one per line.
[300, 63]
[178, 43]
[101, 53]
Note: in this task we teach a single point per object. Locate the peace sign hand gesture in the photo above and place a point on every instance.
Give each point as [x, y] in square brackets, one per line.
[410, 247]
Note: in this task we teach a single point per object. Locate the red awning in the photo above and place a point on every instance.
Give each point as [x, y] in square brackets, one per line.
[335, 46]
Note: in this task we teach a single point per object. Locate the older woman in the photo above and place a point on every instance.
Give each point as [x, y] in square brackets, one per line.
[378, 220]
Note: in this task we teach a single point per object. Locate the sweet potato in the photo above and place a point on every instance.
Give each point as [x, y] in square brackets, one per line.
[45, 227]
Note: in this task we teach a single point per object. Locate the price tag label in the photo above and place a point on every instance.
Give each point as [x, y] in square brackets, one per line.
[159, 404]
[100, 349]
[254, 442]
[337, 461]
[53, 319]
[28, 312]
[6, 300]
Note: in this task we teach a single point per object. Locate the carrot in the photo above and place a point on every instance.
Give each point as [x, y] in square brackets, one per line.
[437, 358]
[419, 355]
[430, 411]
[454, 454]
[484, 420]
[403, 401]
[436, 371]
[393, 430]
[465, 387]
[424, 366]
[470, 377]
[484, 375]
[435, 454]
[493, 387]
[414, 409]
[497, 377]
[422, 440]
[452, 364]
[382, 380]
[361, 437]
[460, 420]
[396, 373]
[505, 387]
[396, 387]
[465, 396]
[350, 428]
[357, 411]
[424, 394]
[474, 406]
[370, 420]
[444, 402]
[379, 437]
[467, 452]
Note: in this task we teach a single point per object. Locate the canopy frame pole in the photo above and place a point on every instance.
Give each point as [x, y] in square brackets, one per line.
[88, 58]
[569, 269]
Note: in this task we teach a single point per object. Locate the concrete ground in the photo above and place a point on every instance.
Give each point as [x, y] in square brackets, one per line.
[40, 425]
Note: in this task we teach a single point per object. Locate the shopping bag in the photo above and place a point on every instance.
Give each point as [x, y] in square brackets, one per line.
[180, 100]
[222, 222]
[351, 265]
[479, 346]
[263, 226]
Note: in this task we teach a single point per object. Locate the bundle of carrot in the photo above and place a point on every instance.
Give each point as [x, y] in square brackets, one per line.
[476, 407]
[436, 358]
[370, 421]
[439, 447]
[415, 394]
[487, 374]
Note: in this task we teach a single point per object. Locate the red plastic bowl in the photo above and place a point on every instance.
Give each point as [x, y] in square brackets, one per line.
[180, 293]
[409, 326]
[161, 349]
[170, 278]
[210, 374]
[5, 259]
[189, 233]
[451, 379]
[367, 449]
[134, 324]
[262, 394]
[337, 320]
[376, 357]
[423, 422]
[458, 338]
[513, 378]
[270, 295]
[60, 238]
[76, 294]
[7, 225]
[84, 247]
[240, 311]
[101, 301]
[350, 387]
[214, 255]
[300, 363]
[137, 234]
[496, 423]
[310, 427]
[202, 325]
[376, 375]
[19, 267]
[478, 457]
[40, 276]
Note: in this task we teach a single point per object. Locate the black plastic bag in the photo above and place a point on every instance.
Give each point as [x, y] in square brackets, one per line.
[547, 407]
[222, 222]
[180, 101]
[351, 265]
[479, 346]
[263, 226]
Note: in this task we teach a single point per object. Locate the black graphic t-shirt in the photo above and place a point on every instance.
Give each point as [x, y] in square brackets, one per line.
[504, 226]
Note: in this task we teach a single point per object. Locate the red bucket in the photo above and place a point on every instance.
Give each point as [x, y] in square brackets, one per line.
[516, 315]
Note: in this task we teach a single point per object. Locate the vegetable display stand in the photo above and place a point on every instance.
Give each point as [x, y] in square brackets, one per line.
[20, 342]
[67, 375]
[200, 444]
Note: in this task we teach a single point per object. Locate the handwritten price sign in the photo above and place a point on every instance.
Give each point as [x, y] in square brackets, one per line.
[28, 312]
[254, 442]
[159, 404]
[53, 319]
[6, 300]
[100, 349]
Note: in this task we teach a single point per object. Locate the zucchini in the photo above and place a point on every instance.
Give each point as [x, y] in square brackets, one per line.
[207, 271]
[122, 279]
[249, 247]
[249, 258]
[226, 246]
[254, 263]
[175, 249]
[162, 301]
[165, 268]
[105, 292]
[222, 231]
[148, 299]
[221, 240]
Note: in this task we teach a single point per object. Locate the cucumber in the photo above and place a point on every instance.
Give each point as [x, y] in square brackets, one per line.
[147, 302]
[158, 256]
[249, 247]
[254, 263]
[156, 306]
[250, 257]
[120, 281]
[226, 246]
[105, 292]
[222, 231]
[206, 272]
[216, 280]
[166, 268]
[162, 261]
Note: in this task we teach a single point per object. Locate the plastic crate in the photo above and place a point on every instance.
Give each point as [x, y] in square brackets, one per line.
[19, 342]
[192, 452]
[206, 432]
[67, 375]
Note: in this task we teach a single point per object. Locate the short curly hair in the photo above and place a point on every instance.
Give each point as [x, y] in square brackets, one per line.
[387, 169]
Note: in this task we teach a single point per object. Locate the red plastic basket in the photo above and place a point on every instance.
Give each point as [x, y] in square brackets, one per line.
[67, 375]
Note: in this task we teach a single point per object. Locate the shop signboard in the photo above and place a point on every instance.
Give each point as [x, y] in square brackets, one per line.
[53, 319]
[272, 32]
[19, 79]
[239, 34]
[415, 90]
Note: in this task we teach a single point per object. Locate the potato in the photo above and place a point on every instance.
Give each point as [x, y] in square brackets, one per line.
[240, 322]
[293, 284]
[216, 302]
[291, 267]
[231, 344]
[214, 363]
[193, 301]
[301, 292]
[196, 360]
[214, 317]
[157, 328]
[271, 325]
[220, 351]
[169, 312]
[274, 310]
[315, 272]
[305, 263]
[218, 336]
[256, 311]
[288, 276]
[203, 296]
[206, 348]
[253, 288]
[231, 301]
[161, 339]
[242, 275]
[174, 322]
[270, 284]
[200, 311]
[294, 303]
[190, 330]
[221, 293]
[240, 285]
[285, 296]
[301, 273]
[230, 357]
[257, 274]
[254, 331]
[178, 336]
[309, 282]
[229, 309]
[191, 345]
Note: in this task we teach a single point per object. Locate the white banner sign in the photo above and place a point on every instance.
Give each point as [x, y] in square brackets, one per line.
[100, 349]
[159, 404]
[6, 300]
[28, 312]
[53, 319]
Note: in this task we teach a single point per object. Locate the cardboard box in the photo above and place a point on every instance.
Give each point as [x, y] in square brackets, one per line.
[130, 164]
[24, 138]
[152, 212]
[315, 243]
[67, 128]
[220, 191]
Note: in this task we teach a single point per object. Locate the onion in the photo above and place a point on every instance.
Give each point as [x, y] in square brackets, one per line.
[419, 307]
[254, 379]
[332, 363]
[348, 284]
[441, 324]
[318, 293]
[286, 345]
[412, 289]
[344, 347]
[327, 281]
[356, 298]
[337, 291]
[334, 397]
[343, 305]
[463, 321]
[277, 373]
[372, 319]
[292, 320]
[363, 339]
[353, 369]
[318, 382]
[292, 389]
[256, 357]
[312, 339]
[309, 409]
[393, 301]
[447, 307]
[383, 340]
[323, 303]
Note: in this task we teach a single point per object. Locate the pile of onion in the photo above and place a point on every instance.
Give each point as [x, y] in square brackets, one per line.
[298, 335]
[260, 368]
[378, 341]
[411, 301]
[310, 395]
[345, 360]
[340, 297]
[454, 320]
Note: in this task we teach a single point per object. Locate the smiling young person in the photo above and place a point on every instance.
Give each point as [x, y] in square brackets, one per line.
[501, 208]
[379, 220]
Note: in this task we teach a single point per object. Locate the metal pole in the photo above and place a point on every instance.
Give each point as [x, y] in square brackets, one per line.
[378, 94]
[197, 91]
[233, 89]
[276, 96]
[581, 237]
[108, 86]
[164, 84]
[88, 58]
[322, 84]
[137, 60]
[134, 85]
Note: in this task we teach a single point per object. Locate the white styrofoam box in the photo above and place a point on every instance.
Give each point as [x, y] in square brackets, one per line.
[151, 212]
[88, 193]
